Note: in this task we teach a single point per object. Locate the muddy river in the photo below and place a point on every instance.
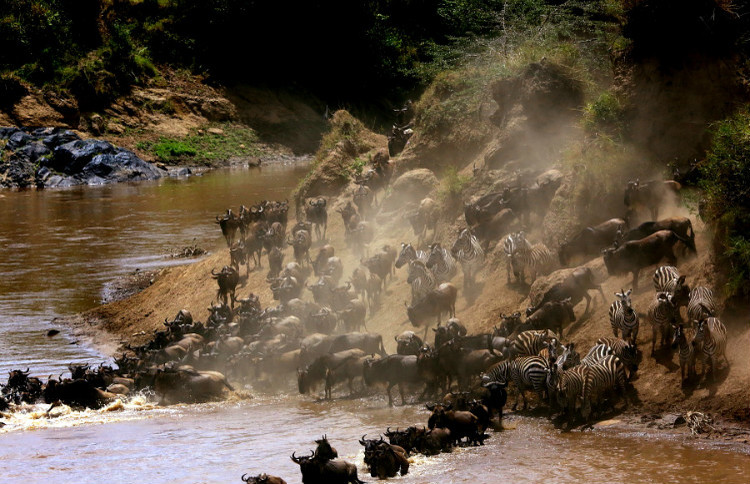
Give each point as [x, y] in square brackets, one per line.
[62, 248]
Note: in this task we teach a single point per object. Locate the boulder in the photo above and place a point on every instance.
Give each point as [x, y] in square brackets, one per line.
[412, 186]
[58, 138]
[73, 156]
[33, 151]
[7, 132]
[18, 139]
[16, 172]
[123, 166]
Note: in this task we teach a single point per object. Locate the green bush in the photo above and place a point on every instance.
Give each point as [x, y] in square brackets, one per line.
[205, 147]
[604, 113]
[725, 178]
[452, 184]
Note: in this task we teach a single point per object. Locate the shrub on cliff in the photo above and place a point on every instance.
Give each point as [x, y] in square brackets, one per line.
[725, 180]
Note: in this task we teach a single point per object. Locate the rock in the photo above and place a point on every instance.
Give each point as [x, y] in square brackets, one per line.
[33, 151]
[183, 171]
[17, 172]
[124, 166]
[58, 138]
[412, 186]
[216, 131]
[7, 132]
[18, 139]
[218, 110]
[41, 176]
[72, 157]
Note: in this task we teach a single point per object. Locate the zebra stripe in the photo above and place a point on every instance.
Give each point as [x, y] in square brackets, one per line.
[408, 254]
[528, 372]
[683, 339]
[442, 263]
[623, 317]
[569, 386]
[665, 278]
[712, 337]
[625, 351]
[530, 343]
[538, 258]
[469, 253]
[602, 377]
[422, 280]
[661, 315]
[596, 354]
[701, 305]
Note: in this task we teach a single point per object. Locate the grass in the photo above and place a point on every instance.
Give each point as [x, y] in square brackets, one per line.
[203, 147]
[452, 185]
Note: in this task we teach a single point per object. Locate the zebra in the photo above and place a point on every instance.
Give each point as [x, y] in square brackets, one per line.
[538, 258]
[701, 305]
[711, 336]
[528, 372]
[626, 351]
[606, 375]
[422, 280]
[509, 247]
[568, 385]
[442, 263]
[623, 317]
[662, 316]
[530, 343]
[408, 254]
[683, 339]
[668, 279]
[469, 253]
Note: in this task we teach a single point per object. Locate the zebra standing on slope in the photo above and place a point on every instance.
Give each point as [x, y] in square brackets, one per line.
[469, 253]
[683, 339]
[538, 258]
[422, 280]
[668, 279]
[603, 377]
[623, 317]
[662, 315]
[701, 305]
[711, 336]
[531, 342]
[442, 263]
[409, 253]
[526, 372]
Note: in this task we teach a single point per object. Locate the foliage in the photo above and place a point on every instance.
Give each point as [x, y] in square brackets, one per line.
[604, 113]
[453, 184]
[204, 146]
[725, 180]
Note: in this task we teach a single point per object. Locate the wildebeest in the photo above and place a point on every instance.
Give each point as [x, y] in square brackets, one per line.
[324, 471]
[425, 218]
[550, 315]
[262, 479]
[227, 280]
[275, 262]
[433, 305]
[590, 242]
[285, 289]
[318, 370]
[321, 260]
[681, 226]
[408, 343]
[229, 225]
[76, 393]
[353, 315]
[460, 423]
[392, 370]
[348, 213]
[363, 199]
[301, 244]
[316, 212]
[635, 255]
[650, 195]
[361, 235]
[575, 286]
[383, 459]
[182, 385]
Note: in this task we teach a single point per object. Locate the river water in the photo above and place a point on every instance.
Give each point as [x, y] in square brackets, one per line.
[61, 250]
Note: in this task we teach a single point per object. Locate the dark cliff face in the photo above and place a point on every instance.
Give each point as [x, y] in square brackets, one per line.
[56, 157]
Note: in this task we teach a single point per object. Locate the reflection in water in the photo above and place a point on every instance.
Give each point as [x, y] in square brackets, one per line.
[61, 246]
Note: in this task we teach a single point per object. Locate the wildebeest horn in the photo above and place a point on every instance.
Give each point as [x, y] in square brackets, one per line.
[295, 459]
[362, 440]
[243, 478]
